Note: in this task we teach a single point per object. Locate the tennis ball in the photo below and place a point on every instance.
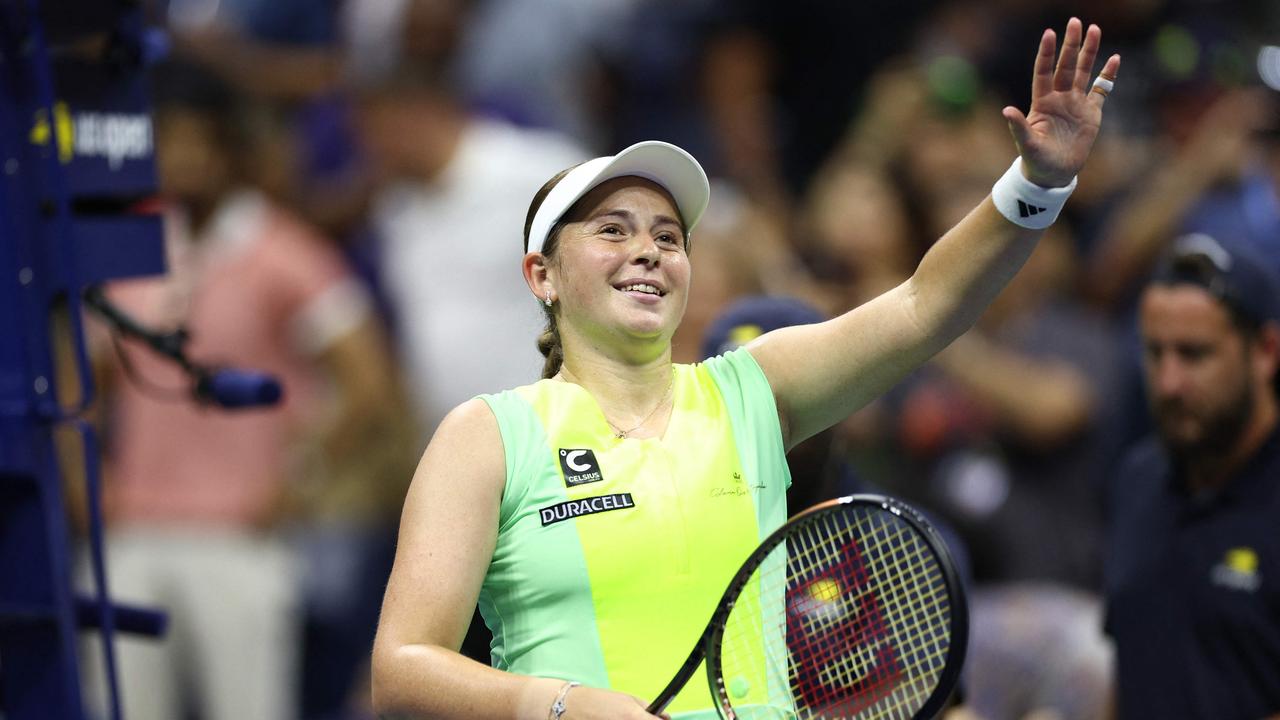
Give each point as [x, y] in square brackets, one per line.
[739, 687]
[825, 590]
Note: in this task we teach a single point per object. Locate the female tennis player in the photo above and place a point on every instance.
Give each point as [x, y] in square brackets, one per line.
[596, 515]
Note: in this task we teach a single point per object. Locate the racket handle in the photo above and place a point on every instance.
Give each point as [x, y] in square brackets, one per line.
[658, 706]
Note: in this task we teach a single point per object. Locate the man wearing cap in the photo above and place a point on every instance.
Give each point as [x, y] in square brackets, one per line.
[1193, 549]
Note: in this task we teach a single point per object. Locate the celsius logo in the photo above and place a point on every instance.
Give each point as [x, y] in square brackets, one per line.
[579, 467]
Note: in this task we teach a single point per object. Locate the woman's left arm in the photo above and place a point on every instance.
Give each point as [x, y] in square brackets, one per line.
[822, 373]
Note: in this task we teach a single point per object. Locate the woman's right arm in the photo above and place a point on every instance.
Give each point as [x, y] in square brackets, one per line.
[448, 532]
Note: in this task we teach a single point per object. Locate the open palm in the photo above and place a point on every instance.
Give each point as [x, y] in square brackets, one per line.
[1055, 137]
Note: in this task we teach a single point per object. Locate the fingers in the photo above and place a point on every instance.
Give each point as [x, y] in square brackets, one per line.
[1088, 54]
[1102, 86]
[1064, 74]
[1042, 78]
[644, 710]
[1017, 125]
[1074, 67]
[1111, 70]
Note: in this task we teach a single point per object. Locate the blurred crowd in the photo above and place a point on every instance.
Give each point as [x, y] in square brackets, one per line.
[346, 183]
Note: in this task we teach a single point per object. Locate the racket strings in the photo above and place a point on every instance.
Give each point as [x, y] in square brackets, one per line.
[920, 612]
[850, 617]
[916, 607]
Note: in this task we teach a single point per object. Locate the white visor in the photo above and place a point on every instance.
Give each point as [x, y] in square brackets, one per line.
[663, 163]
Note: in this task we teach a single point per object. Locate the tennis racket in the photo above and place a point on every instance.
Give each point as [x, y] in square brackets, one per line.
[852, 609]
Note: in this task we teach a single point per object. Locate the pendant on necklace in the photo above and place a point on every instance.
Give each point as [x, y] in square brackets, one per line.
[622, 434]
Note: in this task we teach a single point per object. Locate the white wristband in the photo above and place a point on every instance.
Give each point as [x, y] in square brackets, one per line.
[1026, 203]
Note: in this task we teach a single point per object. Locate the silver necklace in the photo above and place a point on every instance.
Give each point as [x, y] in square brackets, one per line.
[622, 434]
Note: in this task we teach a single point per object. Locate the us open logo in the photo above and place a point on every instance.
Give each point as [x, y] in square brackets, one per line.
[579, 467]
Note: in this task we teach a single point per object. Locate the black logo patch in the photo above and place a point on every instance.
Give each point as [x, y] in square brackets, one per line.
[1026, 210]
[586, 506]
[579, 467]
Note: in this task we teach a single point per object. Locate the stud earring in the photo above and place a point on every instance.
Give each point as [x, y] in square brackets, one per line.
[547, 300]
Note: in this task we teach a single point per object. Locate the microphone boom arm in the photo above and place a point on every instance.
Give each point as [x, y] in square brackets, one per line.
[228, 388]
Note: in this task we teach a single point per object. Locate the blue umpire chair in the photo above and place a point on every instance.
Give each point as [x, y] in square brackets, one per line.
[77, 170]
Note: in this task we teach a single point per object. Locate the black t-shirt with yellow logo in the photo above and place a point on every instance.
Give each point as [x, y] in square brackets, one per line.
[1193, 590]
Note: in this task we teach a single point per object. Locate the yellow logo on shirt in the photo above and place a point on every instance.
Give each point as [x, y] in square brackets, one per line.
[1242, 559]
[1238, 570]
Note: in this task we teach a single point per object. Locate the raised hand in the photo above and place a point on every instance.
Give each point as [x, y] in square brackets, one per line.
[1055, 137]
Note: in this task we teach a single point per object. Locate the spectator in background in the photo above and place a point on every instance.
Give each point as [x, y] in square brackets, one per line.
[1007, 433]
[280, 49]
[453, 187]
[859, 238]
[1036, 653]
[1193, 549]
[662, 72]
[1019, 468]
[196, 500]
[1213, 167]
[941, 173]
[1218, 173]
[540, 63]
[783, 80]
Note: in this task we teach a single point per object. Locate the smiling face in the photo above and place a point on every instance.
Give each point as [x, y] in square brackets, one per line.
[620, 272]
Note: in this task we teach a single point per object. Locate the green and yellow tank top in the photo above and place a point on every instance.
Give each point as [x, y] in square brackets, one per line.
[612, 553]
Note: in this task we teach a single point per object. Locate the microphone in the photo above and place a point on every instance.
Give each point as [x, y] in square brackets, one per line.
[234, 389]
[227, 388]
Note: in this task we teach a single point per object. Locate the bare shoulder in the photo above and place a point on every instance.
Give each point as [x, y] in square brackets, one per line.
[465, 454]
[472, 420]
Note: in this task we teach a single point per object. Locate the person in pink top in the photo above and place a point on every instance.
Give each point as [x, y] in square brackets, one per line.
[256, 289]
[195, 496]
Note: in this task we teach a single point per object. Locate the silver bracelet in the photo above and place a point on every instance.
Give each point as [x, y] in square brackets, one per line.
[557, 707]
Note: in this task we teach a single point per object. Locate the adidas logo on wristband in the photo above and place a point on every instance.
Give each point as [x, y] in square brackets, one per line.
[1025, 210]
[1025, 203]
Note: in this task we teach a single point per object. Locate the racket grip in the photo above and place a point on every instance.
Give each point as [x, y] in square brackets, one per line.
[658, 706]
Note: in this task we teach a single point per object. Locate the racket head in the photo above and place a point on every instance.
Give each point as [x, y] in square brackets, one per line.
[852, 609]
